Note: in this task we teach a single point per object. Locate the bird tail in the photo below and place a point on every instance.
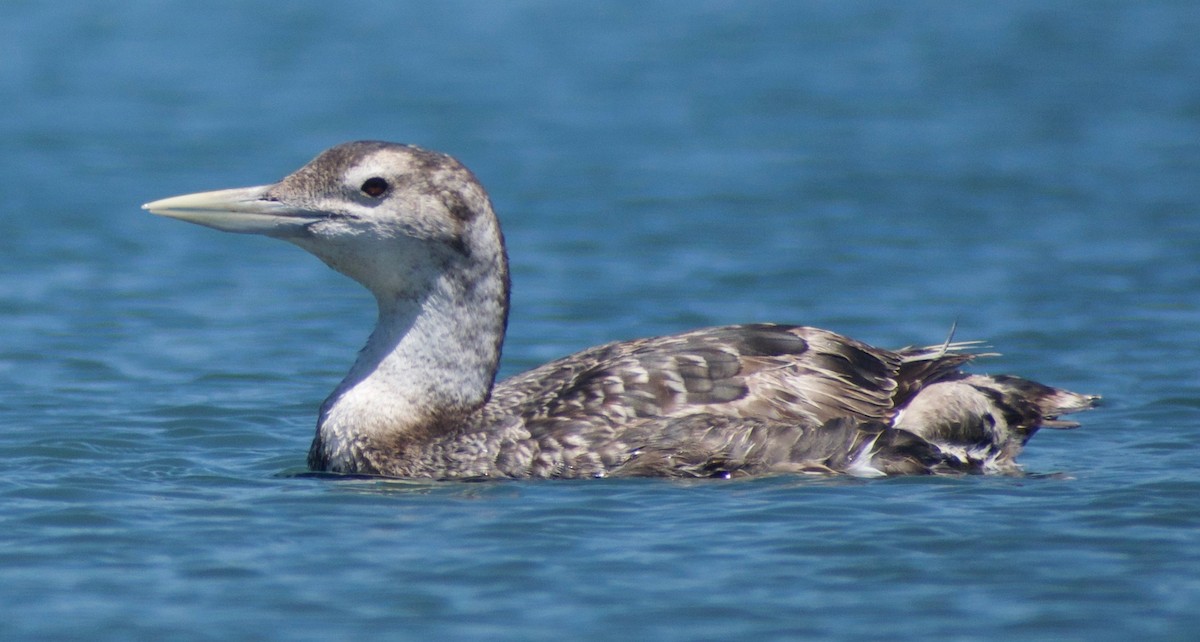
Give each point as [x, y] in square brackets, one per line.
[987, 420]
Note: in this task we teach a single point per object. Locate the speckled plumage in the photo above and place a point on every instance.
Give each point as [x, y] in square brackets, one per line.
[417, 229]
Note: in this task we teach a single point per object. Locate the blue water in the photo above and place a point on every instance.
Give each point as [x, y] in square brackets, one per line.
[1028, 170]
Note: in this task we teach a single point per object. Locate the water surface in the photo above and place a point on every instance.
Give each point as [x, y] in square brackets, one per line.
[1027, 171]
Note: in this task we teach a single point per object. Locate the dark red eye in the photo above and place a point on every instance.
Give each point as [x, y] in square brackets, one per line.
[374, 187]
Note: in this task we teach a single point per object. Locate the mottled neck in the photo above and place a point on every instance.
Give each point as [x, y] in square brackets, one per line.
[428, 366]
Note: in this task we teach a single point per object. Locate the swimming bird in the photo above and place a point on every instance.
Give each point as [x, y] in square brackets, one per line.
[416, 228]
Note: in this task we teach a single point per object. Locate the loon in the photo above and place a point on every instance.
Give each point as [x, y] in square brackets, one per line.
[416, 228]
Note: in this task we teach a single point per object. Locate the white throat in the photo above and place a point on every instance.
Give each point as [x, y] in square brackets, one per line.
[430, 361]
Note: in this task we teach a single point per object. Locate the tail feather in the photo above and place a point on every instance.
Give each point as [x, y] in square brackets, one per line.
[921, 367]
[988, 419]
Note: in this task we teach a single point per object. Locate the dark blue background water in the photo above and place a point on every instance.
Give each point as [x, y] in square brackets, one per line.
[1030, 170]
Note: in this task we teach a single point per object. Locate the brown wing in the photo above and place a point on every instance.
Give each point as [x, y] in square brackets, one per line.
[767, 372]
[754, 398]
